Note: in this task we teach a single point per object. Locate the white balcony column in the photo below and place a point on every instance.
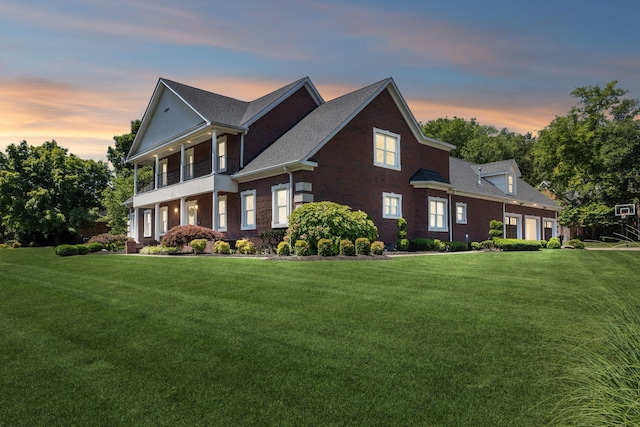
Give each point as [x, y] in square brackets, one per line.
[134, 226]
[135, 179]
[214, 151]
[156, 172]
[156, 215]
[183, 211]
[182, 165]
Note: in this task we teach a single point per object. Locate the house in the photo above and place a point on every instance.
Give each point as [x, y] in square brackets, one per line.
[241, 167]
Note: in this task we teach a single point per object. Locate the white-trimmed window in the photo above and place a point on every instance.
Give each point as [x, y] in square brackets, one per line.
[163, 172]
[461, 213]
[148, 222]
[248, 199]
[222, 213]
[164, 219]
[512, 226]
[391, 205]
[189, 157]
[386, 149]
[511, 185]
[280, 206]
[438, 214]
[222, 153]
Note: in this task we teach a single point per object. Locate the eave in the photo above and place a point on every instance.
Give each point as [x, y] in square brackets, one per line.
[274, 171]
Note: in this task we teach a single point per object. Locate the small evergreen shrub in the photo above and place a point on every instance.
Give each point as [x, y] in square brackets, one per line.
[363, 246]
[401, 224]
[576, 243]
[245, 247]
[402, 245]
[302, 248]
[553, 243]
[377, 247]
[152, 250]
[34, 244]
[475, 246]
[487, 244]
[517, 244]
[221, 247]
[199, 245]
[325, 247]
[181, 235]
[66, 250]
[543, 243]
[347, 248]
[439, 245]
[112, 242]
[82, 249]
[401, 234]
[95, 247]
[421, 244]
[495, 229]
[456, 246]
[284, 249]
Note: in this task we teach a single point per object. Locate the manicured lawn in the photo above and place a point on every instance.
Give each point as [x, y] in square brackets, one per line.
[477, 339]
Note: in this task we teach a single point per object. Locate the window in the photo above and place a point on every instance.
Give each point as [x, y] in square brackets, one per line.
[511, 188]
[192, 212]
[391, 205]
[162, 173]
[461, 213]
[386, 147]
[549, 226]
[280, 205]
[511, 227]
[164, 219]
[189, 163]
[148, 222]
[222, 213]
[222, 154]
[248, 210]
[438, 214]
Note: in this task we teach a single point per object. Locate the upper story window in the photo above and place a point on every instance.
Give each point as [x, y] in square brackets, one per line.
[391, 205]
[221, 153]
[163, 172]
[438, 214]
[189, 160]
[511, 185]
[461, 213]
[386, 148]
[248, 199]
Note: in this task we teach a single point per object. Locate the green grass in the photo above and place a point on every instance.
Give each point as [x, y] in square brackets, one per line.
[465, 339]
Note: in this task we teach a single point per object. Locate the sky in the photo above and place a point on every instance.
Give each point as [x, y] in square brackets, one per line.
[80, 71]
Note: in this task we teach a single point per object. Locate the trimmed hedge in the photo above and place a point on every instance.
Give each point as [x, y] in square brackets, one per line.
[377, 248]
[347, 248]
[517, 245]
[325, 247]
[221, 247]
[199, 245]
[245, 247]
[112, 242]
[554, 243]
[284, 249]
[302, 248]
[363, 246]
[95, 247]
[66, 250]
[576, 243]
[421, 244]
[83, 249]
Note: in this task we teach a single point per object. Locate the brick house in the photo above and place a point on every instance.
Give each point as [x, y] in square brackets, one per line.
[241, 167]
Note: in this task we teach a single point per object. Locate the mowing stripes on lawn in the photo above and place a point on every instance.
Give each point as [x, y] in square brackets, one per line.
[435, 340]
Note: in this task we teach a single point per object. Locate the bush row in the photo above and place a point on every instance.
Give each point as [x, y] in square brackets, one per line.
[425, 244]
[326, 247]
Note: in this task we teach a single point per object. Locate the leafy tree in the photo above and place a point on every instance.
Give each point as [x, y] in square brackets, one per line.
[46, 194]
[118, 155]
[456, 131]
[591, 156]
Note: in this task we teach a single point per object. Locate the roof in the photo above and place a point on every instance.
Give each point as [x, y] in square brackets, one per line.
[309, 135]
[503, 166]
[427, 175]
[464, 177]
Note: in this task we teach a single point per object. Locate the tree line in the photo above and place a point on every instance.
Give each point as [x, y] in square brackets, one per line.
[589, 159]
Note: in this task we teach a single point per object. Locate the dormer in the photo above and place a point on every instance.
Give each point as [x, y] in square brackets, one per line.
[503, 175]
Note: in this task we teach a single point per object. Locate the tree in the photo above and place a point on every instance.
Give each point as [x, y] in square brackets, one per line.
[591, 156]
[118, 155]
[46, 194]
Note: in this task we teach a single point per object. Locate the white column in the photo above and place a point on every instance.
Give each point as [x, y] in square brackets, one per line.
[155, 173]
[214, 151]
[182, 162]
[183, 211]
[156, 216]
[214, 211]
[134, 224]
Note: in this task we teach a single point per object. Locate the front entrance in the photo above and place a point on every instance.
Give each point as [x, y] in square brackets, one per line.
[192, 212]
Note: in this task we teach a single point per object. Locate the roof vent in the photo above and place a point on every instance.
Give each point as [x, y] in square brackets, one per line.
[479, 175]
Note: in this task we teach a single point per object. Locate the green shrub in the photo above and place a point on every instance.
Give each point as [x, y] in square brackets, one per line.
[152, 250]
[495, 228]
[112, 242]
[363, 246]
[245, 247]
[401, 224]
[475, 246]
[66, 250]
[95, 247]
[325, 247]
[553, 243]
[34, 244]
[517, 244]
[302, 248]
[402, 245]
[284, 249]
[421, 244]
[325, 220]
[439, 246]
[347, 247]
[456, 246]
[543, 243]
[82, 249]
[221, 247]
[401, 234]
[271, 238]
[3, 246]
[487, 244]
[181, 235]
[576, 243]
[199, 245]
[377, 247]
[15, 244]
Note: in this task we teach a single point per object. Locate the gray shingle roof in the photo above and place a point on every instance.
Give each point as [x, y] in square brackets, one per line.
[502, 166]
[464, 177]
[223, 110]
[304, 139]
[428, 175]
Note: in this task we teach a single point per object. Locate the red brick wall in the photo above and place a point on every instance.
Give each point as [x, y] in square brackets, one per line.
[479, 215]
[276, 122]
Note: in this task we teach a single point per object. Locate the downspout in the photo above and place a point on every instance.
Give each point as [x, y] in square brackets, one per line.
[504, 219]
[242, 151]
[290, 189]
[450, 221]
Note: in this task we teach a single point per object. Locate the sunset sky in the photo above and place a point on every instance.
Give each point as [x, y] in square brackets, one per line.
[80, 71]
